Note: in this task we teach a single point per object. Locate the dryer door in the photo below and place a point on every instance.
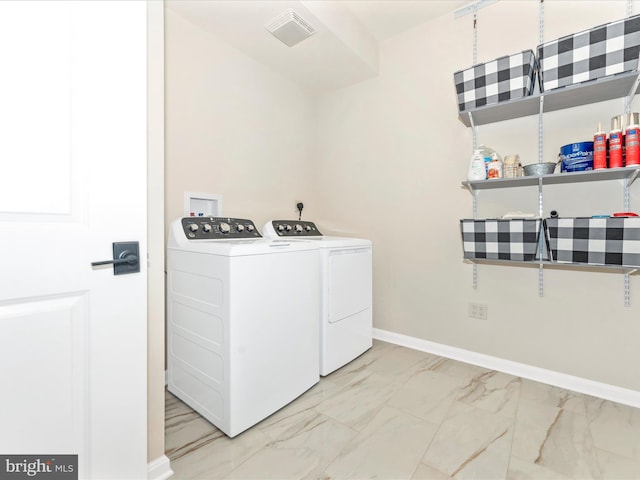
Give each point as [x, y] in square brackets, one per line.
[349, 283]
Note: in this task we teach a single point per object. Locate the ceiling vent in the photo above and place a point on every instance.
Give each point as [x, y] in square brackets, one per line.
[290, 28]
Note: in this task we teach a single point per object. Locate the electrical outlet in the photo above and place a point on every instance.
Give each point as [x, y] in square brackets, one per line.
[478, 310]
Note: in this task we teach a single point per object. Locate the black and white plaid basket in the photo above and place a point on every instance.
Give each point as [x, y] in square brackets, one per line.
[596, 241]
[513, 239]
[504, 78]
[601, 51]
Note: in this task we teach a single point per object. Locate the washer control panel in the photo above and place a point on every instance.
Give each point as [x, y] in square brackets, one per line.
[295, 228]
[216, 228]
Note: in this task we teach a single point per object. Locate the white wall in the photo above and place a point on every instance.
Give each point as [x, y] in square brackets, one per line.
[392, 156]
[233, 127]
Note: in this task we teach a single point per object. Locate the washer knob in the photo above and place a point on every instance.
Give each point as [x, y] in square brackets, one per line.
[206, 227]
[250, 228]
[193, 227]
[281, 228]
[225, 227]
[298, 228]
[288, 228]
[240, 227]
[308, 228]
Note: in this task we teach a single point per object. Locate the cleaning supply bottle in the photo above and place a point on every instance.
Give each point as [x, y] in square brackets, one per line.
[487, 153]
[599, 149]
[495, 167]
[632, 142]
[615, 146]
[477, 170]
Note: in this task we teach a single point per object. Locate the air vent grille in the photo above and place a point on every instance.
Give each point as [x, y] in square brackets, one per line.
[290, 28]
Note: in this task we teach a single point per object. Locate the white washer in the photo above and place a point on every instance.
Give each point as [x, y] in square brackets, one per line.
[346, 320]
[242, 330]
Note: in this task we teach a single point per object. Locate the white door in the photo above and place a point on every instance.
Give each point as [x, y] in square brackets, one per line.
[72, 181]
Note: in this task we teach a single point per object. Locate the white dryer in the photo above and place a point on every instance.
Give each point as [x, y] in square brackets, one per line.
[242, 330]
[345, 316]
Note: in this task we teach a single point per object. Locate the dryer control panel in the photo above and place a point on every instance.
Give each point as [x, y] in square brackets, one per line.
[216, 228]
[295, 228]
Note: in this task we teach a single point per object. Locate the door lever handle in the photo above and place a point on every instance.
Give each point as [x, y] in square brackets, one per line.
[125, 258]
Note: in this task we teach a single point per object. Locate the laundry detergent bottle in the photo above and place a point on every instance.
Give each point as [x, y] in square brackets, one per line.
[477, 170]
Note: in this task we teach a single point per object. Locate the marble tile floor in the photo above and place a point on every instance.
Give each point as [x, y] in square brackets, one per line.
[397, 413]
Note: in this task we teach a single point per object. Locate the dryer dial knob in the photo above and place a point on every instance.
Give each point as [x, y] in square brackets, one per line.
[225, 227]
[193, 227]
[240, 227]
[250, 228]
[288, 227]
[281, 228]
[206, 227]
[298, 228]
[308, 228]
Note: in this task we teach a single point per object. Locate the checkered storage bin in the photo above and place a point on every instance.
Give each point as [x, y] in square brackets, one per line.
[601, 51]
[513, 239]
[505, 78]
[595, 241]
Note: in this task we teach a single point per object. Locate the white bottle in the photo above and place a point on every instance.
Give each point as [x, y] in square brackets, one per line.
[477, 169]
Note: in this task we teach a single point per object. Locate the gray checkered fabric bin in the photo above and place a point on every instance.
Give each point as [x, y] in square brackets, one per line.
[601, 51]
[514, 239]
[505, 78]
[596, 241]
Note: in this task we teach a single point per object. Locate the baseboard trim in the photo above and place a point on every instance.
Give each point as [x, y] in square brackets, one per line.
[550, 377]
[159, 469]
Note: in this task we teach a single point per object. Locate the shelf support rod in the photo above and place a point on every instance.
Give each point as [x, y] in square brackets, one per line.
[475, 276]
[473, 126]
[474, 194]
[627, 184]
[627, 203]
[540, 159]
[540, 267]
[540, 198]
[540, 129]
[540, 280]
[474, 132]
[541, 22]
[540, 154]
[627, 290]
